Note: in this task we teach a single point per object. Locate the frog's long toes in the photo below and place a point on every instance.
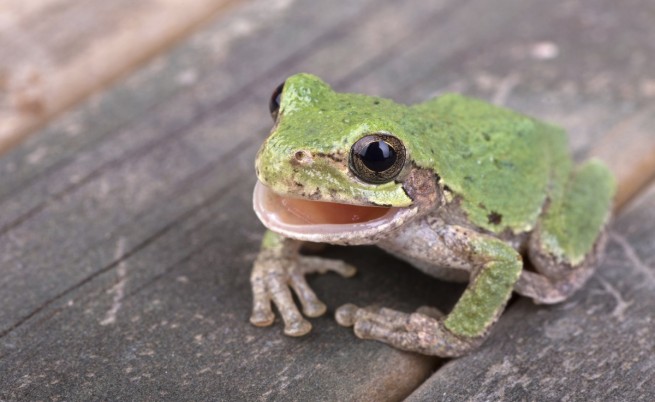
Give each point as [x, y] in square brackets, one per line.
[311, 305]
[368, 329]
[346, 315]
[390, 318]
[262, 315]
[311, 265]
[262, 318]
[297, 328]
[314, 308]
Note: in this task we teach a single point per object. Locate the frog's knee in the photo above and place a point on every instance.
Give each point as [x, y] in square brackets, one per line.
[488, 292]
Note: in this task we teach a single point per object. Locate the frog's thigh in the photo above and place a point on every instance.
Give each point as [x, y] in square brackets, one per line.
[569, 240]
[495, 267]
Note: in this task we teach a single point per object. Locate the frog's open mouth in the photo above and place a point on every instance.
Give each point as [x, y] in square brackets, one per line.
[323, 221]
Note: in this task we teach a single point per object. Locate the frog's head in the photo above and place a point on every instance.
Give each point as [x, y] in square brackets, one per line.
[337, 167]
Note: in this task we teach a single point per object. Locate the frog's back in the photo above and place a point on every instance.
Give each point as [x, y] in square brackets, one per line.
[501, 164]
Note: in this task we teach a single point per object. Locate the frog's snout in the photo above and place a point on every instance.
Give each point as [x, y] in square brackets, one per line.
[273, 167]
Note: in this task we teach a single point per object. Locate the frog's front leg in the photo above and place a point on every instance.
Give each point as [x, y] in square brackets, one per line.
[494, 266]
[279, 268]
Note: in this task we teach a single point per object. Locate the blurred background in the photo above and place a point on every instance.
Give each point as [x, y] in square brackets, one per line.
[54, 53]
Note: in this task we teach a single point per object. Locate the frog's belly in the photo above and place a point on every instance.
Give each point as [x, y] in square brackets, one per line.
[445, 273]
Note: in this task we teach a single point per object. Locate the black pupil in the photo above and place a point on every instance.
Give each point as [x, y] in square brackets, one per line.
[274, 103]
[378, 156]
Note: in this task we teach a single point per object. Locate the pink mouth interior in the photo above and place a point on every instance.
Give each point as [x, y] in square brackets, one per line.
[320, 221]
[315, 212]
[272, 208]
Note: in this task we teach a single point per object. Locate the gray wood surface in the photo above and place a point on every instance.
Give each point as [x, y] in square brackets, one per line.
[126, 232]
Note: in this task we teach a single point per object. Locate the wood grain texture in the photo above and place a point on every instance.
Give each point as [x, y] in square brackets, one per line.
[55, 53]
[126, 233]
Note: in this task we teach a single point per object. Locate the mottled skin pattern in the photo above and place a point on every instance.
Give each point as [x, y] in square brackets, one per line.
[484, 191]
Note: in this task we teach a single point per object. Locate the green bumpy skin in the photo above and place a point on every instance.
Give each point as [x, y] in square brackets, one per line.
[572, 222]
[501, 164]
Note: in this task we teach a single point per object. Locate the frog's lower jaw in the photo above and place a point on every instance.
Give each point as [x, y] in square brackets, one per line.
[326, 222]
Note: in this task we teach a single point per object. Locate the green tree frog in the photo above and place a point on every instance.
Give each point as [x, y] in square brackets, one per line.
[461, 189]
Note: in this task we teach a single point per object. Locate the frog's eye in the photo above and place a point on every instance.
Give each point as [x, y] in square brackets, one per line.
[377, 158]
[274, 103]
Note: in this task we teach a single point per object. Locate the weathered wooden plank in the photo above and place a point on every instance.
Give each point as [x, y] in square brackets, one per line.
[151, 217]
[54, 53]
[596, 346]
[135, 196]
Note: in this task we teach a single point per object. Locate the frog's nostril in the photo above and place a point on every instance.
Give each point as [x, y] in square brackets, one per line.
[303, 157]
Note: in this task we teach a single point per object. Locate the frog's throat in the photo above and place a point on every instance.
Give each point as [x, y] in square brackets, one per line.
[328, 222]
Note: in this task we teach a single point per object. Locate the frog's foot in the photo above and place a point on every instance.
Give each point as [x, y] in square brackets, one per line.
[271, 280]
[416, 332]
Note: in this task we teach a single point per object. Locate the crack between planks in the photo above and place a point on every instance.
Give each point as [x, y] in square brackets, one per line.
[189, 180]
[63, 293]
[214, 197]
[212, 239]
[183, 217]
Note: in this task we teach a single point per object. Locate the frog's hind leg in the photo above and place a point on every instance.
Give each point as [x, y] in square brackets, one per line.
[494, 268]
[569, 240]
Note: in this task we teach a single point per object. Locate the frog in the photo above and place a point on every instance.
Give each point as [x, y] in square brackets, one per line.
[461, 189]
